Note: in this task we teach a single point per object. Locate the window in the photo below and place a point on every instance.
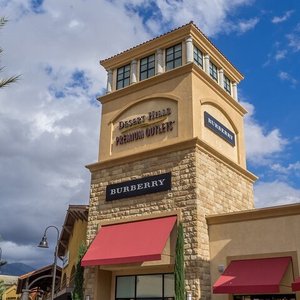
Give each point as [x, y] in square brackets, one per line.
[123, 77]
[147, 67]
[173, 57]
[213, 71]
[227, 85]
[152, 286]
[125, 287]
[149, 286]
[198, 57]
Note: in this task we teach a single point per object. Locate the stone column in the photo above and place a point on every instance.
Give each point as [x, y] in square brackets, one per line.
[133, 72]
[221, 78]
[189, 50]
[159, 62]
[234, 91]
[109, 81]
[206, 64]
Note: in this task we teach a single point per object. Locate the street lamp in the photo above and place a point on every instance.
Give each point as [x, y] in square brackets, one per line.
[44, 244]
[2, 261]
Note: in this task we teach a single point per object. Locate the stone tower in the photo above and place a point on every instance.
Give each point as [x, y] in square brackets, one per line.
[171, 108]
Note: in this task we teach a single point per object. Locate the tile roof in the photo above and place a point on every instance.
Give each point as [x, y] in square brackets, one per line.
[164, 34]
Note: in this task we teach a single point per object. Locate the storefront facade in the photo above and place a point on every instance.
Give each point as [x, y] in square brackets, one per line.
[171, 150]
[255, 254]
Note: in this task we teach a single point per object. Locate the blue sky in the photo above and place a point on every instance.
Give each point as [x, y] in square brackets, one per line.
[49, 120]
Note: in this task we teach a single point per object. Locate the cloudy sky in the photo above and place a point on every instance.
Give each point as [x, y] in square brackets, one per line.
[49, 120]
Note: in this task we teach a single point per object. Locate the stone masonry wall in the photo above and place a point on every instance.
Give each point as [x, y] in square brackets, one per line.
[200, 186]
[182, 196]
[220, 189]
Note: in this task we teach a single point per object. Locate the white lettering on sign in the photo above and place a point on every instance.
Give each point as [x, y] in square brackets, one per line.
[137, 187]
[220, 128]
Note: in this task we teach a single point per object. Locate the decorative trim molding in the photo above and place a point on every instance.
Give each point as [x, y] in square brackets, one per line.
[255, 214]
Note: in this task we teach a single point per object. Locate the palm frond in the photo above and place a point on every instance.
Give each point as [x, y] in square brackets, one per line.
[6, 81]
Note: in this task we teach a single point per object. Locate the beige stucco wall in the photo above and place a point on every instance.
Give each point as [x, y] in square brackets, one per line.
[210, 97]
[269, 232]
[77, 237]
[173, 86]
[190, 92]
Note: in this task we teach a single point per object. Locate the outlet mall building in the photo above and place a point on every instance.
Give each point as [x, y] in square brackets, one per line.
[172, 151]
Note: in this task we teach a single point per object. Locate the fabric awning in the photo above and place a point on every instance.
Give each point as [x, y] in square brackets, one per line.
[296, 285]
[252, 276]
[129, 242]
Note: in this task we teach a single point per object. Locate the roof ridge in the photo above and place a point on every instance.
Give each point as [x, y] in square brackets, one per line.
[170, 31]
[145, 42]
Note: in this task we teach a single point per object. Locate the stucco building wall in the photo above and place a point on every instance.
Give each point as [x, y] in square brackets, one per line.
[261, 233]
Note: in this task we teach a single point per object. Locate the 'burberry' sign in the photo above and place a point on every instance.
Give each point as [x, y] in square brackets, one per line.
[218, 128]
[137, 187]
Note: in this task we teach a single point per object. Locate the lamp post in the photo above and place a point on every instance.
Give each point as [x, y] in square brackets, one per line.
[44, 244]
[2, 261]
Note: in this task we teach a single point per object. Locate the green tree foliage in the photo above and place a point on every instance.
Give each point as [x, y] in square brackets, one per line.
[179, 265]
[2, 288]
[6, 81]
[77, 293]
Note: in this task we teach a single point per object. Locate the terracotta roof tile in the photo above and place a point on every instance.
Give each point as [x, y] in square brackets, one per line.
[164, 34]
[101, 61]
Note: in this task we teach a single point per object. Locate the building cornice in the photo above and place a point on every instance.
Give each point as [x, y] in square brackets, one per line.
[185, 69]
[141, 85]
[255, 214]
[182, 145]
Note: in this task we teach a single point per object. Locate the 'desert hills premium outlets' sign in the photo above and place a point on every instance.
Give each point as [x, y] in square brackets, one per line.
[142, 124]
[145, 126]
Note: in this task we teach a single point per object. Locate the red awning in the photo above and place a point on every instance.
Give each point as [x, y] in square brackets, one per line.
[296, 285]
[252, 276]
[129, 242]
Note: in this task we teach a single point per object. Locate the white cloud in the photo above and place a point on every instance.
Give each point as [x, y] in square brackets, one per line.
[261, 144]
[28, 254]
[49, 122]
[246, 25]
[294, 40]
[212, 16]
[294, 167]
[284, 76]
[280, 54]
[283, 18]
[275, 193]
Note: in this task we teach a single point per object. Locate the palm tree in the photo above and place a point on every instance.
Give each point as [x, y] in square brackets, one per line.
[6, 81]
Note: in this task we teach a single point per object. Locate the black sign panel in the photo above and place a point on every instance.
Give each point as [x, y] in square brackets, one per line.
[218, 128]
[137, 187]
